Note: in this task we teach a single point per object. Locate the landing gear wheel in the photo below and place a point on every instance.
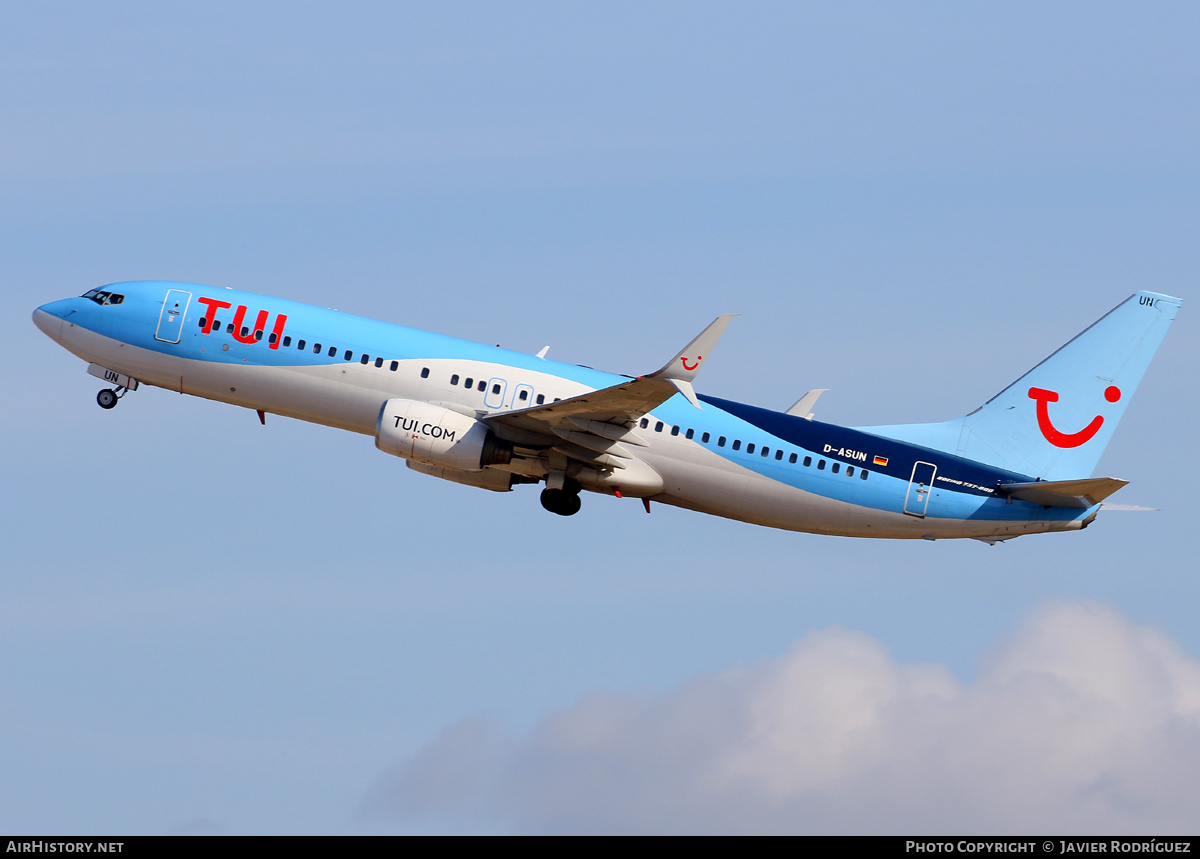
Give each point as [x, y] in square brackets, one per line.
[561, 502]
[107, 398]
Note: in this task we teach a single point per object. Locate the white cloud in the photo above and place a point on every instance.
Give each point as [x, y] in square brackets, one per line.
[1080, 723]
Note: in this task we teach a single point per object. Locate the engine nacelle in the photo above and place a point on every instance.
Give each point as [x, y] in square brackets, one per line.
[489, 478]
[438, 436]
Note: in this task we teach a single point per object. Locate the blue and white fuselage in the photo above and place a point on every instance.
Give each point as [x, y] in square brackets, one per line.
[494, 418]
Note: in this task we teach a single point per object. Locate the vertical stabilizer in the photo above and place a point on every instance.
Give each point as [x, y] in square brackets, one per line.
[1055, 421]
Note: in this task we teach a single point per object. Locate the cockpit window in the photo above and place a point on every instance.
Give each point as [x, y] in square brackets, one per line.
[103, 297]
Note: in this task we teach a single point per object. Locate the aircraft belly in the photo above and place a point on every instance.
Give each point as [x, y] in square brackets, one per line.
[698, 479]
[316, 394]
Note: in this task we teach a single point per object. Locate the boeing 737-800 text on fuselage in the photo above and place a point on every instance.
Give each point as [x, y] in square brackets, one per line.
[484, 416]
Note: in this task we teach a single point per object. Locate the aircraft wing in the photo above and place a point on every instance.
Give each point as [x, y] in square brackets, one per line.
[620, 404]
[592, 426]
[596, 428]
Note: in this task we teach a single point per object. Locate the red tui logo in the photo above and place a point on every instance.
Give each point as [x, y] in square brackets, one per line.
[1055, 436]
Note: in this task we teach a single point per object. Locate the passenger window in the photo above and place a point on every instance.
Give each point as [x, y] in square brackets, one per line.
[424, 372]
[862, 475]
[750, 447]
[245, 331]
[836, 467]
[287, 341]
[690, 433]
[792, 459]
[721, 441]
[482, 385]
[766, 451]
[395, 366]
[258, 334]
[737, 444]
[705, 437]
[523, 395]
[644, 423]
[658, 426]
[273, 337]
[469, 383]
[675, 430]
[454, 379]
[365, 359]
[557, 399]
[821, 465]
[378, 362]
[200, 322]
[300, 344]
[229, 328]
[349, 354]
[849, 470]
[495, 389]
[316, 348]
[541, 398]
[779, 456]
[332, 351]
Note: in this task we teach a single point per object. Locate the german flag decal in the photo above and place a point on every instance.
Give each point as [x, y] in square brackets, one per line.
[881, 460]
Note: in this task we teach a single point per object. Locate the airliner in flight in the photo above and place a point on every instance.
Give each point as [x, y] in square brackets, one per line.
[488, 417]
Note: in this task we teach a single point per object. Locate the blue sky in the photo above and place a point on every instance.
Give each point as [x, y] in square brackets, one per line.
[211, 626]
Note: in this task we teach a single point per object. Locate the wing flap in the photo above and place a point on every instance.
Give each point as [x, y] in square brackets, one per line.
[594, 442]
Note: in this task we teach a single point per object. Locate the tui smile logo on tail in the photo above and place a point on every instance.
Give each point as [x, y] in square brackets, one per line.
[1061, 439]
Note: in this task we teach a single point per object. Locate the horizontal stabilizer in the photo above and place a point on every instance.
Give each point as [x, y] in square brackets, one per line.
[1064, 493]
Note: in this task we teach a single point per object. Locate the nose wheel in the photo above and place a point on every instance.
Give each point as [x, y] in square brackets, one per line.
[561, 501]
[108, 397]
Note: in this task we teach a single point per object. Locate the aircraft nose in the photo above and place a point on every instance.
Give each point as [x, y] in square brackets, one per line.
[49, 317]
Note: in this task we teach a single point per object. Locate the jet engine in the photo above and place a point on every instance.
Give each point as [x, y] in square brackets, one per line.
[490, 478]
[434, 435]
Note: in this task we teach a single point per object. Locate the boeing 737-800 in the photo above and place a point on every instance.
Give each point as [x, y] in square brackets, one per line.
[492, 418]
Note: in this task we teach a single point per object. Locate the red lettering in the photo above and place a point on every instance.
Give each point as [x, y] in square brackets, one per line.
[213, 306]
[277, 334]
[239, 317]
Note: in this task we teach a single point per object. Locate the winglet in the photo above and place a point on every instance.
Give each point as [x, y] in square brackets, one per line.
[684, 366]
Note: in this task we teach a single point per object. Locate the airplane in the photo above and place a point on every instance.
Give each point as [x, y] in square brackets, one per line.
[492, 418]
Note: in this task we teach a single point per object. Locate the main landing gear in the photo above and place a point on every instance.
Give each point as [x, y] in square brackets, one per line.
[564, 502]
[108, 397]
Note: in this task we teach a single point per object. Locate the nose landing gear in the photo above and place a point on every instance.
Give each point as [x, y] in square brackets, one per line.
[122, 385]
[108, 397]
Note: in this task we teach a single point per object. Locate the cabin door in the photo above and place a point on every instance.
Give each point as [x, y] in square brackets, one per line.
[919, 487]
[494, 398]
[170, 321]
